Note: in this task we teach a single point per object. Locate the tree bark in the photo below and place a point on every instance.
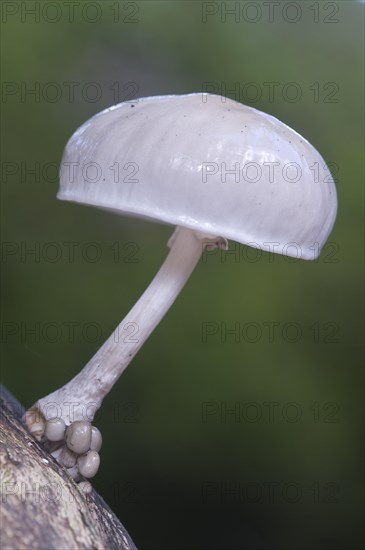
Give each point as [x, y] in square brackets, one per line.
[42, 508]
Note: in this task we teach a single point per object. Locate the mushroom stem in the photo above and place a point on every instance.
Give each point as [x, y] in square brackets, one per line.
[80, 398]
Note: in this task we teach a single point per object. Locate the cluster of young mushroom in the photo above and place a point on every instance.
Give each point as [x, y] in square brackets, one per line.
[76, 447]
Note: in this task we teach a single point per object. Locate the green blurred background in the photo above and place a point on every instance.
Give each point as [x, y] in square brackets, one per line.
[181, 472]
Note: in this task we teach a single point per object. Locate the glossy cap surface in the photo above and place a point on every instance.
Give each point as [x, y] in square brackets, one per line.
[207, 163]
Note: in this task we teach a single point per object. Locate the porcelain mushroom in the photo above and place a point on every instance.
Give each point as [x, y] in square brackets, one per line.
[78, 436]
[214, 168]
[55, 429]
[88, 463]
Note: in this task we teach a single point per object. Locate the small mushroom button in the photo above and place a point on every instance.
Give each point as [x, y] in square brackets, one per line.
[78, 436]
[88, 464]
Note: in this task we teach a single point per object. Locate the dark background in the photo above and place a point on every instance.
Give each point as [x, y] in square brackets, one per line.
[284, 471]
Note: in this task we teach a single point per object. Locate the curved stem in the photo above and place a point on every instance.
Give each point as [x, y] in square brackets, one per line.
[80, 398]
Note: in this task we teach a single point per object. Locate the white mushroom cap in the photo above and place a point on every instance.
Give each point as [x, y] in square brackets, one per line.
[169, 157]
[78, 436]
[88, 463]
[55, 429]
